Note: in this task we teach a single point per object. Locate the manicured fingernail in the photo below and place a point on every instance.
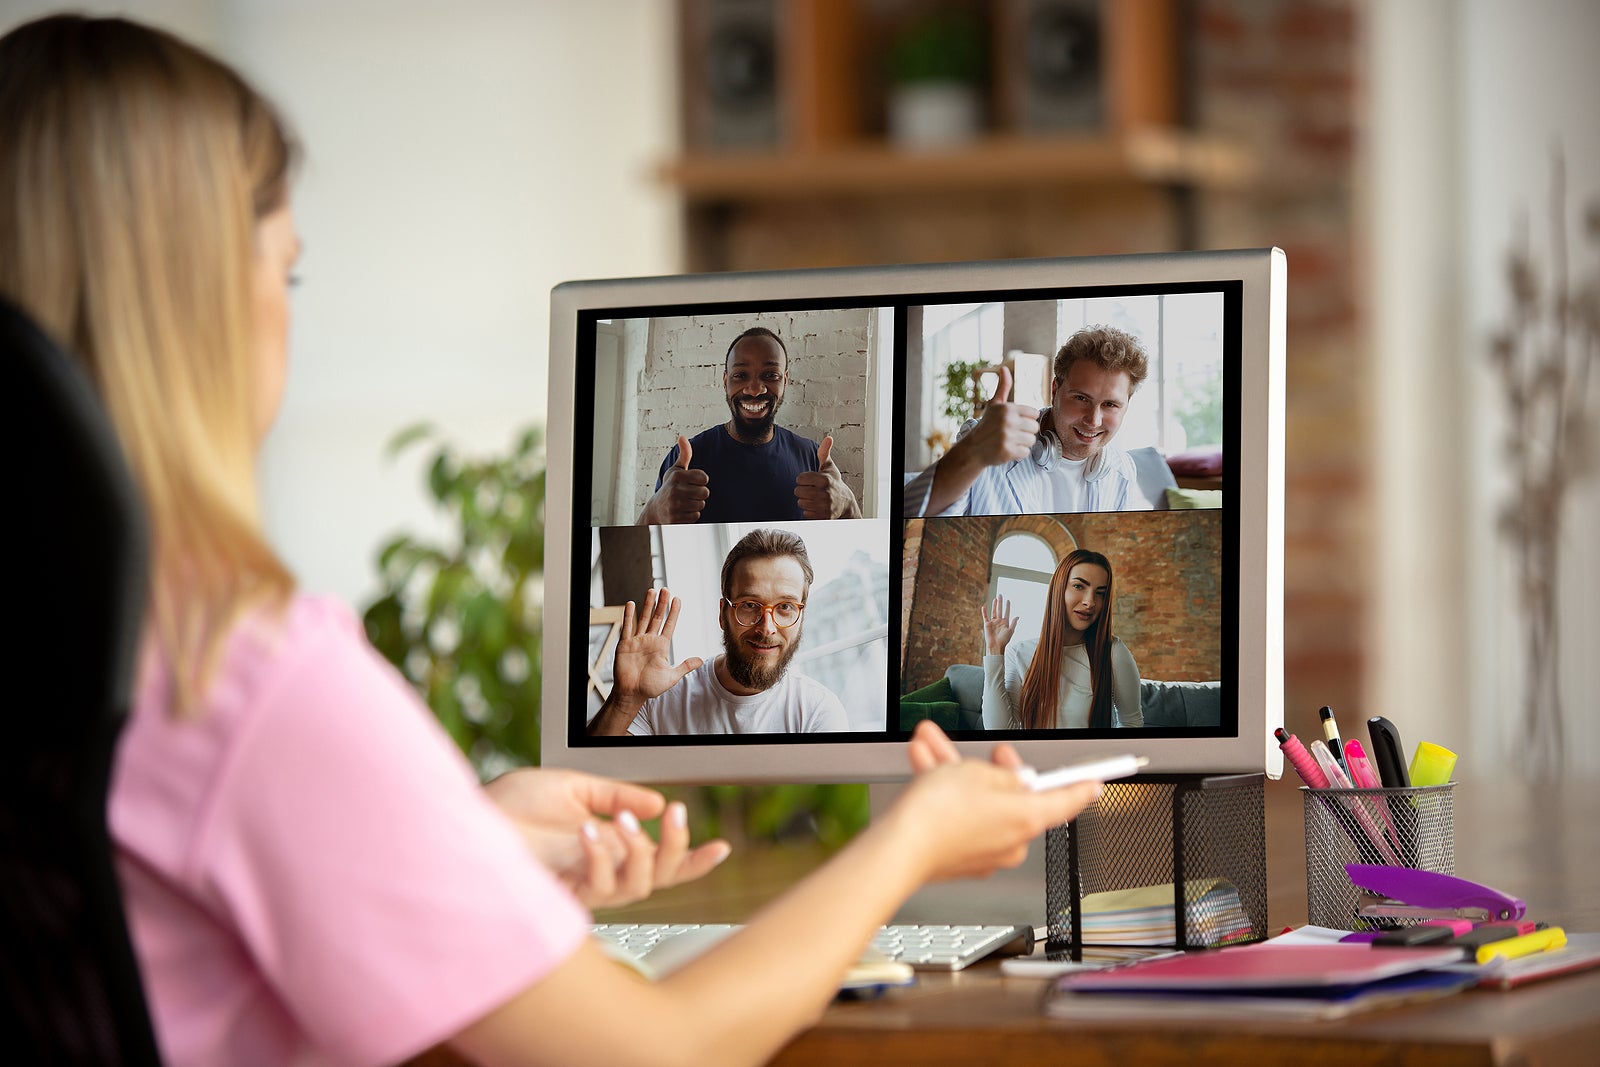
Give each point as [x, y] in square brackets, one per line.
[726, 853]
[629, 822]
[678, 813]
[590, 831]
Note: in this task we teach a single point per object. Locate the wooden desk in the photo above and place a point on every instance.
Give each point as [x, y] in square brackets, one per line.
[1541, 842]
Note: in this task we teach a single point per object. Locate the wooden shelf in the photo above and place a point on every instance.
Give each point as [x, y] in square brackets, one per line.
[1146, 156]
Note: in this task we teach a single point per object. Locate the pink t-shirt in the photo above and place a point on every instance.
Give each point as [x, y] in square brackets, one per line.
[312, 874]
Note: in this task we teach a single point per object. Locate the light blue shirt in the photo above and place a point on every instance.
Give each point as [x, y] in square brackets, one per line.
[1022, 486]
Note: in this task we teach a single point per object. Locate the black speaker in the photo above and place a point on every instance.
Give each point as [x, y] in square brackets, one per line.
[730, 73]
[1054, 56]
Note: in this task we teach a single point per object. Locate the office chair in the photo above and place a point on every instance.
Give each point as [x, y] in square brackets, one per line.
[70, 991]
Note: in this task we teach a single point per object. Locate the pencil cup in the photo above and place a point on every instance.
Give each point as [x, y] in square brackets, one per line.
[1413, 827]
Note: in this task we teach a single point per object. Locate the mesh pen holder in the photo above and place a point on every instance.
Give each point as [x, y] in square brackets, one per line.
[1411, 827]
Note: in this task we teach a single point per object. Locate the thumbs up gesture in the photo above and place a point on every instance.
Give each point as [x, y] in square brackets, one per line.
[1005, 433]
[822, 493]
[683, 492]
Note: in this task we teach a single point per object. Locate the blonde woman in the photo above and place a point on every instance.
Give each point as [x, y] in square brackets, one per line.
[310, 870]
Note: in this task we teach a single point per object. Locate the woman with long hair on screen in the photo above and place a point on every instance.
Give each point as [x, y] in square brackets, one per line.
[1077, 674]
[310, 869]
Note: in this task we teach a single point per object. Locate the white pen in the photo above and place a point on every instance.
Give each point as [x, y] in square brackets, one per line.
[1087, 771]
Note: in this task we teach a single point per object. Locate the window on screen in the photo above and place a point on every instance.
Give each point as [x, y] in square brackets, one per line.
[1020, 572]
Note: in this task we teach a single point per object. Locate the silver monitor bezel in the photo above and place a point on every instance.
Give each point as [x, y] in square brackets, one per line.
[875, 758]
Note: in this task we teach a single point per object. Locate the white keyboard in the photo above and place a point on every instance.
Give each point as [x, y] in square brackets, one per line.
[926, 948]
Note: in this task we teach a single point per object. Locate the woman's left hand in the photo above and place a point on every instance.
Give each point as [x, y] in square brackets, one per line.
[587, 830]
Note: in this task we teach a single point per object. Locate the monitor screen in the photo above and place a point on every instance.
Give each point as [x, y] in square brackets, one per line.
[789, 514]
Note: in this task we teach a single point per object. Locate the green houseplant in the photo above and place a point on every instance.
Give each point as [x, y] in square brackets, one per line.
[462, 620]
[936, 68]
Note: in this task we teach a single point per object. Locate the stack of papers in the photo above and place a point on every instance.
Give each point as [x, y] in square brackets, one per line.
[1144, 915]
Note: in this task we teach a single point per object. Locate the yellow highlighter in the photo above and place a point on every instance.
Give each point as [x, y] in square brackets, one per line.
[1525, 945]
[1432, 764]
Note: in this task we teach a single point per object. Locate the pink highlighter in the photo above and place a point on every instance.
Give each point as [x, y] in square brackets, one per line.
[1364, 777]
[1357, 806]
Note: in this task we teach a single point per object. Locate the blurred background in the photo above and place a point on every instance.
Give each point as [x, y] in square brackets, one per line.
[463, 158]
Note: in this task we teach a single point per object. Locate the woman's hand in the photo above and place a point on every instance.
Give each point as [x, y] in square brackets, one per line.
[587, 830]
[971, 818]
[998, 626]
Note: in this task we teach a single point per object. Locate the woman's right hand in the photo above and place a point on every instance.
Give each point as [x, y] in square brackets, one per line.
[971, 817]
[998, 626]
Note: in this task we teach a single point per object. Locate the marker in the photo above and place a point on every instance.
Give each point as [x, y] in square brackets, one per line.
[1364, 777]
[1330, 730]
[1355, 805]
[1388, 753]
[1300, 759]
[1432, 764]
[1525, 945]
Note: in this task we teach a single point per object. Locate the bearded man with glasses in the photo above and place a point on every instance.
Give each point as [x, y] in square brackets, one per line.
[749, 688]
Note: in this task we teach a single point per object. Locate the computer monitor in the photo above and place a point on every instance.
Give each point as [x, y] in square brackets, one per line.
[883, 365]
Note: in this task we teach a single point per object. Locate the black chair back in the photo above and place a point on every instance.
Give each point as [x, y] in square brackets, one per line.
[77, 570]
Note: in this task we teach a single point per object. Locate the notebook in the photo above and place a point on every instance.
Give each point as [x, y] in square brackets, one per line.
[1265, 966]
[1298, 981]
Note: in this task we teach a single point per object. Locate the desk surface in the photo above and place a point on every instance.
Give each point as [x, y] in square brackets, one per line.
[1540, 842]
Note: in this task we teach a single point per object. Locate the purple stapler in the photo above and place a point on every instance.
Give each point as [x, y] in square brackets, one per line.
[1407, 893]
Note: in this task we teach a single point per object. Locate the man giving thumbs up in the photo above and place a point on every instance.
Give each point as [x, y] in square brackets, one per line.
[749, 469]
[1018, 460]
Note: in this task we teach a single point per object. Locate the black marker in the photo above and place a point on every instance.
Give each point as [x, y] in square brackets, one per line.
[1388, 753]
[1390, 756]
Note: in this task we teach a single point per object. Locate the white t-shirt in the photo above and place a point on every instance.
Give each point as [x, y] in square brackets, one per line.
[1002, 687]
[1064, 485]
[700, 704]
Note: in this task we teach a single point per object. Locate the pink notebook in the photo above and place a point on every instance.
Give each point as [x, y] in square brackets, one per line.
[1265, 966]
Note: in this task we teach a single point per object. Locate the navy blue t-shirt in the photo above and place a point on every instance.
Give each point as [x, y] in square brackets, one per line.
[748, 483]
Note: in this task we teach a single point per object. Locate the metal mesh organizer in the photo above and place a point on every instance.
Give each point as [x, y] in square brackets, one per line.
[1417, 826]
[1204, 836]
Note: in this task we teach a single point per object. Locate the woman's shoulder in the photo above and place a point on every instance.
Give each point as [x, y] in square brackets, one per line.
[1023, 649]
[277, 652]
[1120, 650]
[306, 625]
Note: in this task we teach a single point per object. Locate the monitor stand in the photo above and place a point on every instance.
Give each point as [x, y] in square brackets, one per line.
[1010, 897]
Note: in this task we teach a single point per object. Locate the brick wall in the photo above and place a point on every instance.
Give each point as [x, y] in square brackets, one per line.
[1282, 77]
[829, 363]
[1166, 587]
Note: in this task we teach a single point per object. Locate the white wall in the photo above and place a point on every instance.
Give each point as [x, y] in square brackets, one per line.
[460, 160]
[1467, 101]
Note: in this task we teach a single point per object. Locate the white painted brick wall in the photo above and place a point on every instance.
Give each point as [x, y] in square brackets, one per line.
[680, 388]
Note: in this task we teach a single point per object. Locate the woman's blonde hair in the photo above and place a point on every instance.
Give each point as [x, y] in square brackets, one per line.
[134, 170]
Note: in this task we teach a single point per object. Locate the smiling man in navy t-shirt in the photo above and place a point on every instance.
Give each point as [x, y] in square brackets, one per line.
[749, 469]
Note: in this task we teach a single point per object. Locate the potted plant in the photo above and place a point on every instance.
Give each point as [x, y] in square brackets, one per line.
[461, 619]
[936, 73]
